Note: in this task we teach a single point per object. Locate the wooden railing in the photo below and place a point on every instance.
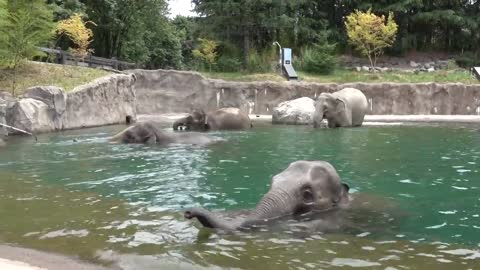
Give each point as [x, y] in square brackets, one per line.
[67, 58]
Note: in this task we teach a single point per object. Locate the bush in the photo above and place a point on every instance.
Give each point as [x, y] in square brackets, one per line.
[318, 59]
[468, 60]
[228, 64]
[261, 62]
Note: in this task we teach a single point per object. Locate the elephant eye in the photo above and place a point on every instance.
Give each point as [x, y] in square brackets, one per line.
[307, 195]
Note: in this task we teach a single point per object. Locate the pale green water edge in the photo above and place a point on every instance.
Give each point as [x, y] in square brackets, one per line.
[124, 202]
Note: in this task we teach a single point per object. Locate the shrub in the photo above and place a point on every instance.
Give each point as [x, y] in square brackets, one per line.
[318, 59]
[227, 63]
[468, 60]
[261, 62]
[206, 52]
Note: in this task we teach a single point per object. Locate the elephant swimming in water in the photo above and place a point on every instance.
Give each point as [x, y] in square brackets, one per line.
[304, 187]
[344, 108]
[221, 119]
[150, 133]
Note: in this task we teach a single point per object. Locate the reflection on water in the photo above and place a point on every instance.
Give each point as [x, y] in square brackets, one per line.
[418, 187]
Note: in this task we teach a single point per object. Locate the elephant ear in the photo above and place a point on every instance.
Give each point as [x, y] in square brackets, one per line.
[340, 105]
[344, 197]
[345, 188]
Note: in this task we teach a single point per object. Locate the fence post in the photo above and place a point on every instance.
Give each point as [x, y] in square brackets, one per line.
[60, 56]
[115, 63]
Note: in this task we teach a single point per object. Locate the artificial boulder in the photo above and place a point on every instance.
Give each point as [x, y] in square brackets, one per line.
[54, 97]
[31, 115]
[294, 112]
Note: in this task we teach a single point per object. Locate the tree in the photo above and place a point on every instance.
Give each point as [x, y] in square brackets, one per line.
[64, 9]
[253, 25]
[29, 24]
[79, 34]
[371, 34]
[135, 30]
[207, 52]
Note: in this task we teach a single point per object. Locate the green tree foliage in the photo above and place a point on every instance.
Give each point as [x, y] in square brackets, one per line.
[370, 34]
[443, 25]
[255, 24]
[28, 24]
[318, 59]
[206, 52]
[135, 30]
[64, 9]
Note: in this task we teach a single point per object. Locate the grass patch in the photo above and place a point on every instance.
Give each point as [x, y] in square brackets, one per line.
[349, 76]
[34, 74]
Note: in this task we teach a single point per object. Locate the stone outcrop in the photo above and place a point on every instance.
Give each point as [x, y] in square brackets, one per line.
[105, 101]
[30, 115]
[294, 112]
[162, 91]
[55, 99]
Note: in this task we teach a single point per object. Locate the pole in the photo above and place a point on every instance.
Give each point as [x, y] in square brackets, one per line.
[20, 130]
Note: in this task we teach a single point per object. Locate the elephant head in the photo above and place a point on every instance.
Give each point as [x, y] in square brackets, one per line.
[304, 187]
[327, 106]
[197, 120]
[146, 133]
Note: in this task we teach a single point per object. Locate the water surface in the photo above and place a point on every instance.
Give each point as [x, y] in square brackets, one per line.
[123, 203]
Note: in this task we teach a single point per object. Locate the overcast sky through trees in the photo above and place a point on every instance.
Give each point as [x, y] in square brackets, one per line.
[180, 7]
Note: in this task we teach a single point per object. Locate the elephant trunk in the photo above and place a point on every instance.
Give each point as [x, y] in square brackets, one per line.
[273, 205]
[209, 219]
[318, 115]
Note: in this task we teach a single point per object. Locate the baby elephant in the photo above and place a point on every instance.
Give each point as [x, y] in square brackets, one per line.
[149, 133]
[221, 119]
[344, 108]
[304, 187]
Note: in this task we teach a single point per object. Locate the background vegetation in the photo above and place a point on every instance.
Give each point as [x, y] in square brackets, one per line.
[237, 35]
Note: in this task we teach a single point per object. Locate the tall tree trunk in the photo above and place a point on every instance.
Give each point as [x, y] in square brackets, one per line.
[246, 46]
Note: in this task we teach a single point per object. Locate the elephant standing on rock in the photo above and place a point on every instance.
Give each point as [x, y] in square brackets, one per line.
[221, 119]
[344, 108]
[304, 187]
[149, 133]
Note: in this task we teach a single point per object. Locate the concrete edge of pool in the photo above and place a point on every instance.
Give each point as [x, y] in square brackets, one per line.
[369, 119]
[16, 258]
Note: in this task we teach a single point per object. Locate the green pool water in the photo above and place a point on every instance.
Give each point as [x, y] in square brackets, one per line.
[122, 204]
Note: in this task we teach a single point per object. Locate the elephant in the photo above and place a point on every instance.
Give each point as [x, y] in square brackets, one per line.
[344, 108]
[2, 143]
[221, 119]
[305, 187]
[149, 133]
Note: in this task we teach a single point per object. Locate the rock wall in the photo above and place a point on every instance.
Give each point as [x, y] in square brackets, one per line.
[162, 91]
[105, 101]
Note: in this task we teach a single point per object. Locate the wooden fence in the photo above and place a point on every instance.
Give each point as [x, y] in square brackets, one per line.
[67, 58]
